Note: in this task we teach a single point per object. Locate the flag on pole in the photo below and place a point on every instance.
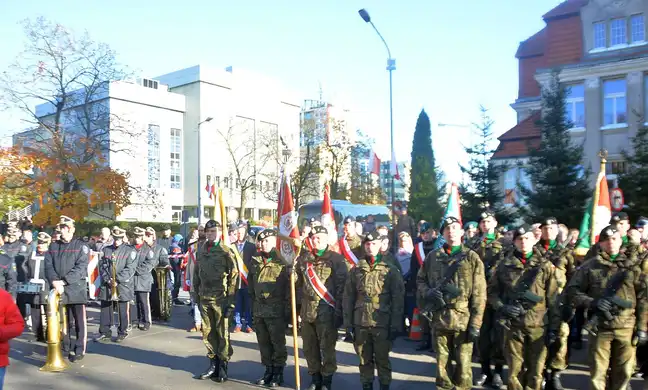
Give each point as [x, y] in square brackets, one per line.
[597, 215]
[287, 220]
[374, 163]
[208, 187]
[328, 219]
[453, 209]
[394, 166]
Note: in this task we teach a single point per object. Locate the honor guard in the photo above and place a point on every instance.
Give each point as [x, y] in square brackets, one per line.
[143, 279]
[23, 250]
[160, 300]
[451, 288]
[66, 270]
[523, 290]
[269, 286]
[117, 270]
[37, 285]
[7, 273]
[612, 287]
[373, 305]
[489, 248]
[12, 248]
[564, 268]
[321, 276]
[351, 248]
[215, 282]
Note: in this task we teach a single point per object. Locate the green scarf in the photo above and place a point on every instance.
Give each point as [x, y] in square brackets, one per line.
[614, 257]
[490, 237]
[321, 252]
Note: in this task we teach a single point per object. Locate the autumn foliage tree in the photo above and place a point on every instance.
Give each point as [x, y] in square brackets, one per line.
[63, 160]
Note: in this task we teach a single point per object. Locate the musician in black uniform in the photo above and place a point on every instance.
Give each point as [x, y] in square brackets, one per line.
[7, 273]
[66, 270]
[38, 301]
[143, 279]
[160, 303]
[116, 268]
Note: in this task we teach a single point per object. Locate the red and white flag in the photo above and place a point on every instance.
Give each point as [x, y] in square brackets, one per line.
[374, 163]
[328, 219]
[287, 220]
[394, 166]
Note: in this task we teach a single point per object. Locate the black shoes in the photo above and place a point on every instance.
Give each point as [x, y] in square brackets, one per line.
[211, 371]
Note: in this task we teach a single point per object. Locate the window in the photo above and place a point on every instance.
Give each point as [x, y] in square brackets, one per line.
[645, 98]
[510, 183]
[226, 182]
[616, 167]
[600, 40]
[217, 181]
[153, 141]
[618, 32]
[614, 102]
[575, 105]
[176, 214]
[150, 83]
[637, 29]
[176, 149]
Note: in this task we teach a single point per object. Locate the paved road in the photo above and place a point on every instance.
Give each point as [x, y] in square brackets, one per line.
[167, 357]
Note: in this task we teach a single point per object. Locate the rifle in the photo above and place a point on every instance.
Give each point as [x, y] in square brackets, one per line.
[447, 287]
[523, 297]
[611, 289]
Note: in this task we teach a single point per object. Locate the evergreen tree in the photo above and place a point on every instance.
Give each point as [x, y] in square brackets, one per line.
[482, 191]
[635, 181]
[559, 184]
[424, 190]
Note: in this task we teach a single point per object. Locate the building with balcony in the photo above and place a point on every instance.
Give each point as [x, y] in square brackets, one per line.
[600, 51]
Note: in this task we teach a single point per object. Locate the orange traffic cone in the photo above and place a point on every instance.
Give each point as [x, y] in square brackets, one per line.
[415, 326]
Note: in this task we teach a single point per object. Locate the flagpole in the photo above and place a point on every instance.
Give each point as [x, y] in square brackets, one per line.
[597, 194]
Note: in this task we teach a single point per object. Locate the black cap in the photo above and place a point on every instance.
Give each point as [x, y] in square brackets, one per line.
[607, 233]
[373, 236]
[425, 227]
[241, 224]
[642, 222]
[522, 230]
[166, 227]
[620, 216]
[319, 229]
[449, 221]
[486, 214]
[549, 221]
[265, 234]
[349, 219]
[212, 224]
[232, 226]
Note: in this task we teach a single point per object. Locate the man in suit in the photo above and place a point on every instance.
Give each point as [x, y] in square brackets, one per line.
[243, 308]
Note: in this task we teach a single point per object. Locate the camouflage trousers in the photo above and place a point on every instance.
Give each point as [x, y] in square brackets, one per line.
[215, 329]
[319, 340]
[526, 353]
[372, 346]
[271, 335]
[557, 359]
[491, 340]
[449, 344]
[614, 349]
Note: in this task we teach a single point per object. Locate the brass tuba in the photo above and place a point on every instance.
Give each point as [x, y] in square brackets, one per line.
[55, 321]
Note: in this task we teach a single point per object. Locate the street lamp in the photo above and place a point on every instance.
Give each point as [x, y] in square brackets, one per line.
[200, 213]
[391, 66]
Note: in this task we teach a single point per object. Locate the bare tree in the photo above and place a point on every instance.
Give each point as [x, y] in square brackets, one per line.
[364, 187]
[75, 133]
[336, 153]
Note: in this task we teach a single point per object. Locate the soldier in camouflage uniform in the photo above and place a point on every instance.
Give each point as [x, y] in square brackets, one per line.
[374, 297]
[269, 287]
[614, 344]
[321, 276]
[563, 262]
[215, 281]
[451, 289]
[489, 248]
[351, 242]
[524, 291]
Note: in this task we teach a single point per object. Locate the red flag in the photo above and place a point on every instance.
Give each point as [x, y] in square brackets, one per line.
[328, 219]
[394, 166]
[213, 190]
[208, 187]
[287, 220]
[374, 163]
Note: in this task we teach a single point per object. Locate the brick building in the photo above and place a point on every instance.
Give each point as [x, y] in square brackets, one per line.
[601, 52]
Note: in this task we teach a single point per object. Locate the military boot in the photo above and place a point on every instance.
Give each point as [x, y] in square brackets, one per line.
[486, 377]
[326, 382]
[266, 378]
[367, 386]
[555, 380]
[277, 376]
[211, 371]
[316, 382]
[497, 381]
[222, 373]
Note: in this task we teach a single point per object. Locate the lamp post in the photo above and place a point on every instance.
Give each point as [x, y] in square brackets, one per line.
[200, 212]
[391, 66]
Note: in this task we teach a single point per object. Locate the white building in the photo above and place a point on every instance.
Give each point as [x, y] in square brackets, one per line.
[401, 186]
[247, 111]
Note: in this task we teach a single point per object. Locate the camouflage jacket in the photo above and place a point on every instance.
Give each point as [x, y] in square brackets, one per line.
[332, 271]
[269, 287]
[467, 309]
[562, 259]
[503, 289]
[374, 295]
[216, 273]
[355, 244]
[590, 282]
[490, 253]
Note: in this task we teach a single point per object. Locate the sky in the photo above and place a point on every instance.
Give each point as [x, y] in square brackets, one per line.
[451, 56]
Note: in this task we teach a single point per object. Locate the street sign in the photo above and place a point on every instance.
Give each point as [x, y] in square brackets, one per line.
[616, 199]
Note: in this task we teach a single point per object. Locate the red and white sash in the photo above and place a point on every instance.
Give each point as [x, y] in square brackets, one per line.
[347, 252]
[420, 253]
[317, 285]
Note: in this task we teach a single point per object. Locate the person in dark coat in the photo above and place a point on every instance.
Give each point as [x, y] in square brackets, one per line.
[165, 238]
[36, 273]
[160, 298]
[7, 273]
[143, 279]
[243, 309]
[66, 270]
[118, 260]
